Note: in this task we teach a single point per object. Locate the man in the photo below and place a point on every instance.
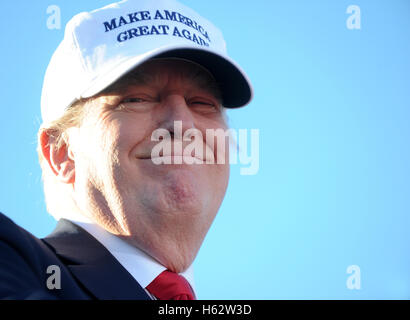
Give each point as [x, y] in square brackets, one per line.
[124, 94]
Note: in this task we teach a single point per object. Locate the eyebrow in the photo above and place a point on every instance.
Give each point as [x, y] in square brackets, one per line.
[138, 77]
[134, 78]
[206, 82]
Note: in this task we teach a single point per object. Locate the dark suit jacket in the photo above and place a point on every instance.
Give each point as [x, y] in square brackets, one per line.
[88, 270]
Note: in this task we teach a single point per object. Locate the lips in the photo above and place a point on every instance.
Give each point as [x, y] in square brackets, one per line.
[179, 154]
[177, 160]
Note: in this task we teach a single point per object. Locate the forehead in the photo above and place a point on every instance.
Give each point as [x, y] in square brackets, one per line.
[160, 72]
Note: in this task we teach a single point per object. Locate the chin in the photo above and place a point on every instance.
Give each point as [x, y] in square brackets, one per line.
[181, 190]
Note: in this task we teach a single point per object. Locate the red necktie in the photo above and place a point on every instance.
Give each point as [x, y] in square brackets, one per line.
[171, 286]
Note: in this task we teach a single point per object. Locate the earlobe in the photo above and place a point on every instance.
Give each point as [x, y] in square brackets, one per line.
[60, 160]
[67, 171]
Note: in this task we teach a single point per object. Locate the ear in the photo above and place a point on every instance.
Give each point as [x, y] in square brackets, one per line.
[60, 161]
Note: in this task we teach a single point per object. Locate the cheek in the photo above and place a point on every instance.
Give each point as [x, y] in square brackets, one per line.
[104, 140]
[98, 143]
[218, 139]
[128, 133]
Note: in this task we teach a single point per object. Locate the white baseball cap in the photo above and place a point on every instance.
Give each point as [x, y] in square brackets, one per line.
[101, 46]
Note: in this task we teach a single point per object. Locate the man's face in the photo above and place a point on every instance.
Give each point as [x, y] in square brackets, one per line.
[165, 210]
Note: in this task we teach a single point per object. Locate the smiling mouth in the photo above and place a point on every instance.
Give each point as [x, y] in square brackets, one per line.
[175, 159]
[179, 158]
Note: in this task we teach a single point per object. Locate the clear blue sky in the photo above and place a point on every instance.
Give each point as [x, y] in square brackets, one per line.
[333, 109]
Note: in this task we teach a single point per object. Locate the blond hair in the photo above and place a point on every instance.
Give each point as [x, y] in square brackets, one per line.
[54, 192]
[72, 117]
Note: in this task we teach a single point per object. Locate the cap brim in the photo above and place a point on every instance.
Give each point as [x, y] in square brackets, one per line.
[234, 84]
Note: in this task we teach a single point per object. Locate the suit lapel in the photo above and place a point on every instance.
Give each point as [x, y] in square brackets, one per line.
[92, 264]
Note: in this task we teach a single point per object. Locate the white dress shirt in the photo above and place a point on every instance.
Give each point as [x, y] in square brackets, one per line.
[140, 265]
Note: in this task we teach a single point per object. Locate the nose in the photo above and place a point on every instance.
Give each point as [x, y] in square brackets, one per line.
[174, 109]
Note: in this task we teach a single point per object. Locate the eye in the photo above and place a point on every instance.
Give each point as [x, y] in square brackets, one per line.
[139, 102]
[133, 100]
[203, 105]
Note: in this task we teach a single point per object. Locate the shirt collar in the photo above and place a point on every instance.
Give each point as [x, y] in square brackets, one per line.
[140, 265]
